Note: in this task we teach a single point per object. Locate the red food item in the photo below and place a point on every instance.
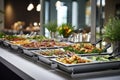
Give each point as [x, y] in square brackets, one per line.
[38, 45]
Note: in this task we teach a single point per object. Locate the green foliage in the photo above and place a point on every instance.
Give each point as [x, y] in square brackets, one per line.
[65, 29]
[112, 29]
[51, 26]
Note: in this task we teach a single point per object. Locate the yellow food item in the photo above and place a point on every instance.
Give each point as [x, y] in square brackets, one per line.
[85, 47]
[20, 42]
[73, 60]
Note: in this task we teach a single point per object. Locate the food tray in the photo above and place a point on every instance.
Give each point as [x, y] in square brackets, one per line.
[50, 52]
[6, 43]
[1, 41]
[22, 47]
[93, 54]
[86, 67]
[56, 47]
[28, 52]
[46, 60]
[13, 46]
[43, 58]
[36, 52]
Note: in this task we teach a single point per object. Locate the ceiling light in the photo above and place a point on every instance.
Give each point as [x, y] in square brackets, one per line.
[30, 7]
[35, 23]
[38, 8]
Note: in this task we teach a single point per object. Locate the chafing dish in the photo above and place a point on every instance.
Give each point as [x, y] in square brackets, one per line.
[75, 69]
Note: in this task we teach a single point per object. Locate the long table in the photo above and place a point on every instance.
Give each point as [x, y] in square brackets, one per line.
[29, 69]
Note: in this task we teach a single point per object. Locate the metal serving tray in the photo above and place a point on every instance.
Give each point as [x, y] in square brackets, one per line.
[43, 58]
[13, 46]
[94, 54]
[6, 43]
[9, 44]
[36, 52]
[22, 47]
[33, 48]
[28, 52]
[1, 41]
[87, 67]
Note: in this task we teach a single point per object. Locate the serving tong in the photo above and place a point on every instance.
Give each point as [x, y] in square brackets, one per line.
[113, 54]
[31, 34]
[98, 41]
[106, 46]
[46, 49]
[60, 56]
[68, 54]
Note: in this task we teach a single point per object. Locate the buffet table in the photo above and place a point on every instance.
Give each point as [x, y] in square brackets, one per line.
[29, 69]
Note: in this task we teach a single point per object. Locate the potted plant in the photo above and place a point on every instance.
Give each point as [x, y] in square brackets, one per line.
[112, 32]
[65, 30]
[52, 28]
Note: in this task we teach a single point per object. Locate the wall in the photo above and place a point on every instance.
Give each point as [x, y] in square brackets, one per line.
[1, 15]
[110, 8]
[17, 11]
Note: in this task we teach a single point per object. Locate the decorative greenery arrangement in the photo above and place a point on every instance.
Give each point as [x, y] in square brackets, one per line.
[65, 30]
[52, 28]
[112, 30]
